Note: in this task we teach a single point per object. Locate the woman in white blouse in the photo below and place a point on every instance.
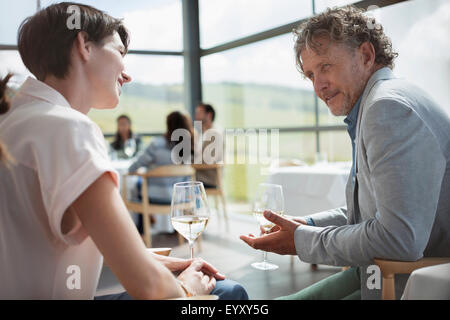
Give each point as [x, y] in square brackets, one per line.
[60, 208]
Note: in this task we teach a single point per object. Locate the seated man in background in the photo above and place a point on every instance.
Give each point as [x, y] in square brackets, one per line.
[211, 144]
[398, 203]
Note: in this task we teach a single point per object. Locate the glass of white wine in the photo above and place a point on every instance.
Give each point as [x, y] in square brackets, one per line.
[189, 211]
[268, 197]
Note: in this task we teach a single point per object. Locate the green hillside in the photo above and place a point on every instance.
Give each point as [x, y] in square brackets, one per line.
[237, 106]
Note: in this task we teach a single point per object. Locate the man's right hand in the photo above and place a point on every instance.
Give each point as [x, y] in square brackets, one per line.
[277, 228]
[197, 282]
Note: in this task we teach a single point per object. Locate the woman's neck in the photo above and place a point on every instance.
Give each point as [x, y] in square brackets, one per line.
[76, 92]
[124, 135]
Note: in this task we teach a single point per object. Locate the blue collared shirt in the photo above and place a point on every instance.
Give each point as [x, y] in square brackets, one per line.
[351, 120]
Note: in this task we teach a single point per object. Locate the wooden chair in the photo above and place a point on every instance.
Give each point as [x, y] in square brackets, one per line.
[389, 268]
[217, 192]
[145, 207]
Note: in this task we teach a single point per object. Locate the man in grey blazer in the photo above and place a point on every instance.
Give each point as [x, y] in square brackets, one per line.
[398, 193]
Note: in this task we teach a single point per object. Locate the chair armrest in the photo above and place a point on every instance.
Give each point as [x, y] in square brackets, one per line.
[161, 251]
[389, 267]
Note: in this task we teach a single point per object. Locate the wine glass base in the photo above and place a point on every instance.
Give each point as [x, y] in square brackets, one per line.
[264, 266]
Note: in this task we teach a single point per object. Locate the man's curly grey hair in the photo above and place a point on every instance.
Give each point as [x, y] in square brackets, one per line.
[348, 25]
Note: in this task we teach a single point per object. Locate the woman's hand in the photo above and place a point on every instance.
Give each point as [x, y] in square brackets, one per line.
[177, 264]
[195, 281]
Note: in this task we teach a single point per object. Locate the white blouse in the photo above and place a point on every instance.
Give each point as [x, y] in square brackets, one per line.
[59, 152]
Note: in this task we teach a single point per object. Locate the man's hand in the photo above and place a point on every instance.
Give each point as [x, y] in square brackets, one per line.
[280, 239]
[277, 228]
[197, 282]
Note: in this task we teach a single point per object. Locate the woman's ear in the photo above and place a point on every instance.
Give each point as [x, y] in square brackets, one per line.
[83, 46]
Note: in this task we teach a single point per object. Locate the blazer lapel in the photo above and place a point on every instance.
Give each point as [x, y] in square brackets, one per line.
[352, 188]
[382, 74]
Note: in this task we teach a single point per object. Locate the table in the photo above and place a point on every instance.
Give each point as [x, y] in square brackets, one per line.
[430, 283]
[311, 189]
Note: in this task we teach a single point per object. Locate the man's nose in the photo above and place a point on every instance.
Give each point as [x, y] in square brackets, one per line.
[320, 85]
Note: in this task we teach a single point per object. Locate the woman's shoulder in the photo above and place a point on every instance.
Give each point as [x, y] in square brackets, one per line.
[159, 142]
[54, 119]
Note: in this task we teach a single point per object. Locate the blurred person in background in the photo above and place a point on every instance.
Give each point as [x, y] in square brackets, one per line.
[211, 140]
[126, 144]
[159, 153]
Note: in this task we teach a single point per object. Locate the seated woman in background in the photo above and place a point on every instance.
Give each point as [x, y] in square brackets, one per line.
[159, 153]
[126, 144]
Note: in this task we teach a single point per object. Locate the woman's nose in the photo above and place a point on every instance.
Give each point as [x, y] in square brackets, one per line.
[126, 77]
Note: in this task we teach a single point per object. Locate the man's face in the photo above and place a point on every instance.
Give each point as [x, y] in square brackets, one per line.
[337, 73]
[200, 114]
[203, 116]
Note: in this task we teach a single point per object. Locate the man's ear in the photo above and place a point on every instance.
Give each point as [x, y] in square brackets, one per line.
[83, 46]
[368, 54]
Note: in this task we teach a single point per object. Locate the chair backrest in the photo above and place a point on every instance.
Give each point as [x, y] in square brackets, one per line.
[171, 171]
[205, 166]
[215, 166]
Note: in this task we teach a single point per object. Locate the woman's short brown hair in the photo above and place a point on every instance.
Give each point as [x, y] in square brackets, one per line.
[348, 25]
[45, 39]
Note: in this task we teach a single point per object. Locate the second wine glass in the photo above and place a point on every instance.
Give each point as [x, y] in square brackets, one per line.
[189, 211]
[268, 197]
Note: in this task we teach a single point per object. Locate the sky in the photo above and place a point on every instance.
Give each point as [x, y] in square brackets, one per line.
[419, 30]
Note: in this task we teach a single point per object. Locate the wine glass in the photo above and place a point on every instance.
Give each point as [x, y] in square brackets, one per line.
[189, 212]
[268, 197]
[129, 147]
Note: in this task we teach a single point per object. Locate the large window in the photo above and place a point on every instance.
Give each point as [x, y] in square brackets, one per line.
[422, 40]
[248, 69]
[153, 25]
[11, 62]
[223, 21]
[12, 13]
[258, 86]
[156, 89]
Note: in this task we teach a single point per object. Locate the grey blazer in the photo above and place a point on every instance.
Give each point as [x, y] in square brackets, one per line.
[398, 207]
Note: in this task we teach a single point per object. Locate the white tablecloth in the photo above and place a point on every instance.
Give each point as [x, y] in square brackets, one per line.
[430, 283]
[311, 189]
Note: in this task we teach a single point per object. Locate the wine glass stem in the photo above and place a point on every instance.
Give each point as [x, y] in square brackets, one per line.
[265, 254]
[191, 247]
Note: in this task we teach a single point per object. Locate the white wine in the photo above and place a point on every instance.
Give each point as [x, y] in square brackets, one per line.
[190, 226]
[263, 222]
